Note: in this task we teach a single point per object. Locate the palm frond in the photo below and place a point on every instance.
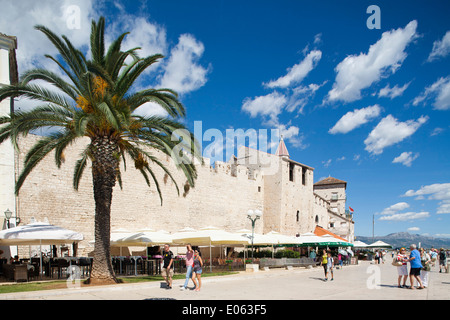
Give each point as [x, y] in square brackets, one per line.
[79, 168]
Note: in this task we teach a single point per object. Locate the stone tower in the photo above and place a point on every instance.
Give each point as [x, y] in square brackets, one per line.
[333, 191]
[8, 75]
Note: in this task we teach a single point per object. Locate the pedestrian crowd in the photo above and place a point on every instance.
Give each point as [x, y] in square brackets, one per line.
[420, 262]
[194, 264]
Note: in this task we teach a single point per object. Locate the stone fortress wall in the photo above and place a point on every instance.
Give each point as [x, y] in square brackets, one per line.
[222, 196]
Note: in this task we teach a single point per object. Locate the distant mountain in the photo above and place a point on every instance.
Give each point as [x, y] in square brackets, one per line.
[405, 239]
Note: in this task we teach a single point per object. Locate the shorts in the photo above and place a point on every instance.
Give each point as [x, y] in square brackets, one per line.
[164, 272]
[414, 272]
[443, 262]
[403, 270]
[199, 271]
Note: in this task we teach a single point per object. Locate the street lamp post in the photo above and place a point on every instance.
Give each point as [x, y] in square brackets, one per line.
[8, 215]
[253, 216]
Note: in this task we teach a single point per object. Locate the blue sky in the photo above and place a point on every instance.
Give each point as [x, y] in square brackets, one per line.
[368, 106]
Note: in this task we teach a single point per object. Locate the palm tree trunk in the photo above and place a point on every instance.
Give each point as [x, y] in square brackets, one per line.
[105, 162]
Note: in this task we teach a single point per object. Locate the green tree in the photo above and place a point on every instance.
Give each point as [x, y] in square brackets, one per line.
[99, 102]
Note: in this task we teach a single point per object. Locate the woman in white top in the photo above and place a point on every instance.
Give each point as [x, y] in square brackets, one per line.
[403, 269]
[425, 259]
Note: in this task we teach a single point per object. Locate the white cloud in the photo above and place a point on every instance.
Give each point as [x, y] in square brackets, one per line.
[20, 17]
[298, 72]
[436, 131]
[444, 207]
[327, 163]
[392, 213]
[441, 48]
[442, 235]
[354, 119]
[406, 216]
[151, 109]
[395, 208]
[390, 131]
[269, 105]
[182, 72]
[394, 92]
[437, 191]
[292, 135]
[413, 229]
[357, 72]
[318, 38]
[440, 91]
[32, 45]
[300, 96]
[149, 36]
[406, 158]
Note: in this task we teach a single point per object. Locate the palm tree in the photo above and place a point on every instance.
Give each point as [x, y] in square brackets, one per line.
[97, 101]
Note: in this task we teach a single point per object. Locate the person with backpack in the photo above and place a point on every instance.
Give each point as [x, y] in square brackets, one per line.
[442, 260]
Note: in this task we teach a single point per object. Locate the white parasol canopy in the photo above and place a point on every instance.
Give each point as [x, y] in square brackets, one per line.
[360, 244]
[281, 238]
[38, 233]
[208, 236]
[145, 238]
[260, 239]
[379, 244]
[311, 239]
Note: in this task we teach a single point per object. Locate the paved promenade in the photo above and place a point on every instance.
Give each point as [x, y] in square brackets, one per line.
[363, 282]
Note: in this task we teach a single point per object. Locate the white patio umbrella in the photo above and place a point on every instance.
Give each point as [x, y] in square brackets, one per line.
[281, 238]
[38, 233]
[145, 238]
[359, 244]
[310, 239]
[379, 244]
[260, 239]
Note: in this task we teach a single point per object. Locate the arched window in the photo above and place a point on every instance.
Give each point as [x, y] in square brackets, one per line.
[317, 219]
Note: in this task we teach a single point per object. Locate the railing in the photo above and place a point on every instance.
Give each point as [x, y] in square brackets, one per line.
[286, 262]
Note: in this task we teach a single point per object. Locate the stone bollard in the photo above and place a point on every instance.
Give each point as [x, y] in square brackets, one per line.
[252, 267]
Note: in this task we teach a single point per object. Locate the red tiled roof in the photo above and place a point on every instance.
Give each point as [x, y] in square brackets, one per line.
[319, 231]
[282, 150]
[330, 180]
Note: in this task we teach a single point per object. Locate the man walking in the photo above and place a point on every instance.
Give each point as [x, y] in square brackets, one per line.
[442, 260]
[167, 269]
[416, 266]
